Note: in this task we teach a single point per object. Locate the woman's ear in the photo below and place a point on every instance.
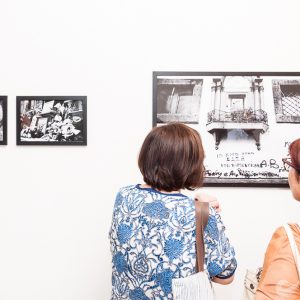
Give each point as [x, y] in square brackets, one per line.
[294, 182]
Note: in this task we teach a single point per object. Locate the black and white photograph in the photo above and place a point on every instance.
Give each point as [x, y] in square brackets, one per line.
[241, 117]
[51, 120]
[178, 100]
[3, 120]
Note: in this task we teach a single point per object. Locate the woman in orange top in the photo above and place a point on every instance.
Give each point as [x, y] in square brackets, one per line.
[280, 278]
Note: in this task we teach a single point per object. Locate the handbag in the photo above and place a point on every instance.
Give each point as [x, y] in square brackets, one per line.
[197, 286]
[251, 283]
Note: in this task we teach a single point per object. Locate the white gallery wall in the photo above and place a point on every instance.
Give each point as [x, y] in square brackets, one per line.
[56, 202]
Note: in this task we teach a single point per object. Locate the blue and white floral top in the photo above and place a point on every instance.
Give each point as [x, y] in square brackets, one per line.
[152, 240]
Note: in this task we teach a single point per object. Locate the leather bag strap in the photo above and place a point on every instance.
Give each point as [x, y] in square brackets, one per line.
[202, 214]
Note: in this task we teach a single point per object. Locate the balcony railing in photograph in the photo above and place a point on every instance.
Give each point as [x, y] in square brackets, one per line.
[238, 116]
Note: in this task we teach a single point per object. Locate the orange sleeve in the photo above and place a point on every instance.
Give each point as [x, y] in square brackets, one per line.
[279, 277]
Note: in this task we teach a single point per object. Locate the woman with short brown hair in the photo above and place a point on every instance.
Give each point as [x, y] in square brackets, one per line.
[153, 227]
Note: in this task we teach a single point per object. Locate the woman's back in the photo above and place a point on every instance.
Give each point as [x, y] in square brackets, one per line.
[153, 240]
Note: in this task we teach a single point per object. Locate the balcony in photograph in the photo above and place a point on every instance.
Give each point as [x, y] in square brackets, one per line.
[237, 112]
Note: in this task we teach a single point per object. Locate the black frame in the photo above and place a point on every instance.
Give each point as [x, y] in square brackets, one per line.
[221, 182]
[19, 99]
[4, 107]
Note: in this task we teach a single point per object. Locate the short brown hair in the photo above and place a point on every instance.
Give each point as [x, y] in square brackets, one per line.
[171, 158]
[294, 151]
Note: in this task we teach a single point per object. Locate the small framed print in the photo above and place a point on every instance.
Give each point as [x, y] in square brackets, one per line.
[3, 120]
[52, 120]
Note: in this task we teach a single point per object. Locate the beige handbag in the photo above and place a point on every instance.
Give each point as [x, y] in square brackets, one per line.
[198, 285]
[251, 284]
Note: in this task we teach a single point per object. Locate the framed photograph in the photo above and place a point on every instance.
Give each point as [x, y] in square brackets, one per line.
[246, 120]
[3, 120]
[52, 120]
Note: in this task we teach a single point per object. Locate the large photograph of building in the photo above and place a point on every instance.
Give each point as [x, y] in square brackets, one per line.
[246, 120]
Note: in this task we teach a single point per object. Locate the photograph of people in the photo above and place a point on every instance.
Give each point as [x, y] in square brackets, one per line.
[51, 120]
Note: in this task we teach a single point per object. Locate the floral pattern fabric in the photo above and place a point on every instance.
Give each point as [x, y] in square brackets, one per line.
[152, 241]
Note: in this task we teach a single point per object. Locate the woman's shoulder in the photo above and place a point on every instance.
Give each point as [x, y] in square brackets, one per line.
[128, 188]
[279, 271]
[279, 242]
[133, 189]
[280, 237]
[123, 194]
[280, 232]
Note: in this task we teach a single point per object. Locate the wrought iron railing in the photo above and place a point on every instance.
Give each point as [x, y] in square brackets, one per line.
[290, 103]
[238, 116]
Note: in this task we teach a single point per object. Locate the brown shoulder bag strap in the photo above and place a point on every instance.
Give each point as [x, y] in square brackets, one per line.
[202, 214]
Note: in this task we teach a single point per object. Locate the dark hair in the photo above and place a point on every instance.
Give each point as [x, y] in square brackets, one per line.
[171, 158]
[294, 151]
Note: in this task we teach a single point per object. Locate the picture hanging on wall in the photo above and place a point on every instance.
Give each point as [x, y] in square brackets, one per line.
[52, 120]
[3, 120]
[246, 120]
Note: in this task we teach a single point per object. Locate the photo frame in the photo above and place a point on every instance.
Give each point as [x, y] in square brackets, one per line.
[3, 120]
[246, 120]
[51, 120]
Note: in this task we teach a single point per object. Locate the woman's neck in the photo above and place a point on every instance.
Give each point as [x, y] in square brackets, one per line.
[147, 186]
